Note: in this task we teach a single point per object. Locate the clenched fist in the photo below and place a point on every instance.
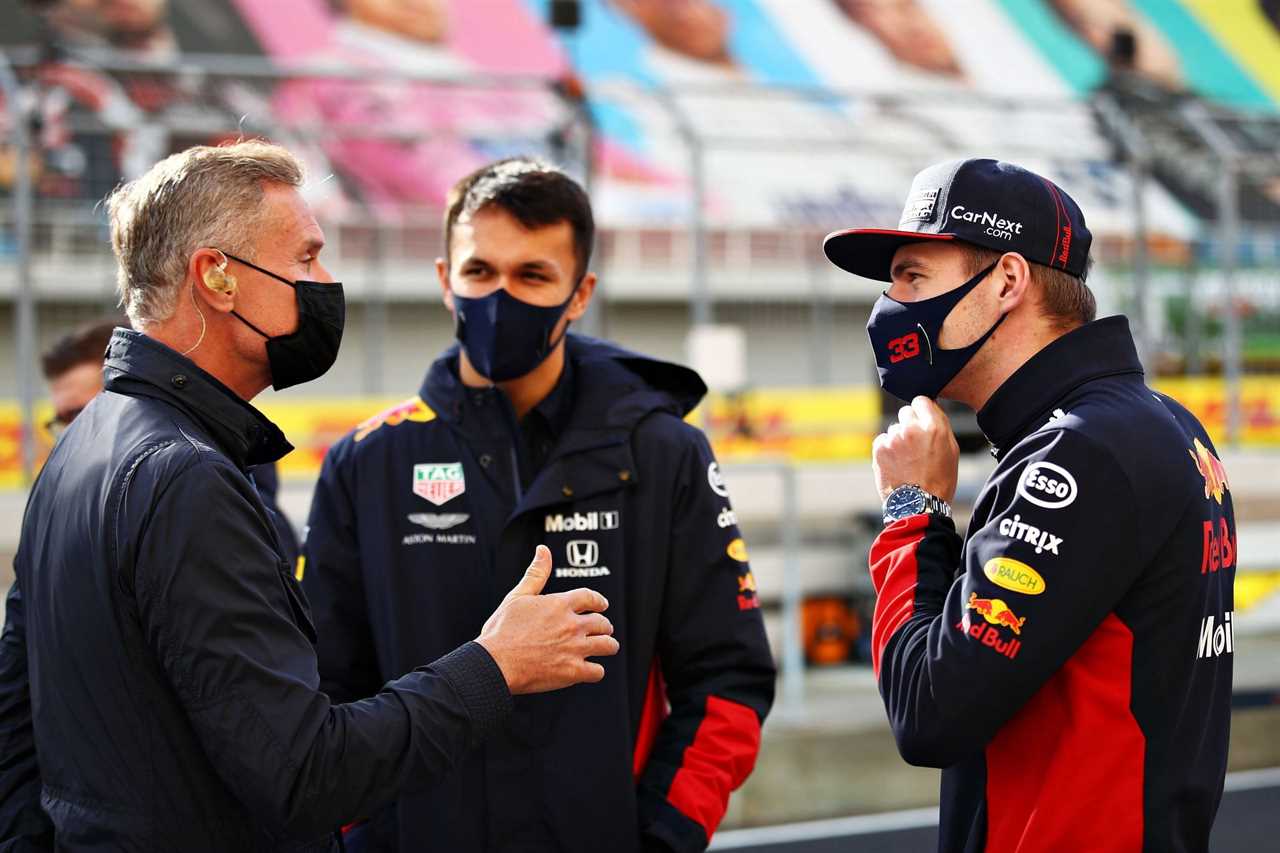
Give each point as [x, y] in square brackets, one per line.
[542, 642]
[920, 448]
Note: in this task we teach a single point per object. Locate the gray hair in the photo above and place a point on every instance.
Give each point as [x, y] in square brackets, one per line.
[203, 196]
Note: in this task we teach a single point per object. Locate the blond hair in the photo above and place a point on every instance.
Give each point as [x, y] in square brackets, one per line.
[203, 196]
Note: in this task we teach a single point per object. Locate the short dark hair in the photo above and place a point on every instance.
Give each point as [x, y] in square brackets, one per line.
[85, 344]
[537, 194]
[1067, 300]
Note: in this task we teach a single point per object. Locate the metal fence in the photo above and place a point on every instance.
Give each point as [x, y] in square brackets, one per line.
[720, 259]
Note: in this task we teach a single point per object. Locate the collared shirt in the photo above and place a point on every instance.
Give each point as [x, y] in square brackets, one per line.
[543, 425]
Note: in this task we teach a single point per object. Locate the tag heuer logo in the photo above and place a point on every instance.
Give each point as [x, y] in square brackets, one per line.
[438, 482]
[920, 206]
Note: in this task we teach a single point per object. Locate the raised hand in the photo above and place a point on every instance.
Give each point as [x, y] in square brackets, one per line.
[542, 642]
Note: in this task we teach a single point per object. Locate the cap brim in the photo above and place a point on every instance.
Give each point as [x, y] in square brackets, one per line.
[868, 252]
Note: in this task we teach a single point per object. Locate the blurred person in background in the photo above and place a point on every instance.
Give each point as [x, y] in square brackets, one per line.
[1068, 664]
[907, 31]
[73, 370]
[1096, 22]
[433, 132]
[523, 434]
[158, 680]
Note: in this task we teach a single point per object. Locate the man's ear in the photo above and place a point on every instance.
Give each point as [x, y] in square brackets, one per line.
[582, 297]
[1013, 277]
[442, 273]
[212, 283]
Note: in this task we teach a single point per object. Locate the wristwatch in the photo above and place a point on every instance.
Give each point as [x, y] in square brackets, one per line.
[908, 500]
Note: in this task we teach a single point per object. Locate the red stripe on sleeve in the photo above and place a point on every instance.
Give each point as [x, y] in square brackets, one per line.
[1075, 742]
[893, 574]
[656, 709]
[720, 758]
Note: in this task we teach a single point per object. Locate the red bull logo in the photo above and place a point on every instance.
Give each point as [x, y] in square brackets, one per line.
[996, 612]
[412, 409]
[1210, 467]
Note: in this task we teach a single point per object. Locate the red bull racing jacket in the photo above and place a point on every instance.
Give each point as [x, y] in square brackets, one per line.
[1068, 664]
[420, 524]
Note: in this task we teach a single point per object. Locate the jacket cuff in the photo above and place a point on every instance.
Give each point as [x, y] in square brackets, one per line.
[474, 674]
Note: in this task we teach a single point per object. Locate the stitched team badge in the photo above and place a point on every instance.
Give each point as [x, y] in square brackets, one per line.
[439, 482]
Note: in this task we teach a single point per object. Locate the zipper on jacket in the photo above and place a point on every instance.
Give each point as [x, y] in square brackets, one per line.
[514, 426]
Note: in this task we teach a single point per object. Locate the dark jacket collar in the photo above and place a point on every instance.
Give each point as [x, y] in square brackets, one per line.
[613, 389]
[140, 366]
[1101, 348]
[556, 409]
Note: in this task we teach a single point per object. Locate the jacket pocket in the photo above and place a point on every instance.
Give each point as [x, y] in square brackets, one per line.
[298, 604]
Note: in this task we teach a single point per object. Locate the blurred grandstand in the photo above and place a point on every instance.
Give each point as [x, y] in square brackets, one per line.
[720, 140]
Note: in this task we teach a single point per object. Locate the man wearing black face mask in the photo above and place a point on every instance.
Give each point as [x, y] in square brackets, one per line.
[1069, 663]
[158, 677]
[523, 435]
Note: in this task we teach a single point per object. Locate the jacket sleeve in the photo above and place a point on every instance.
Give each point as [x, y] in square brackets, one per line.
[964, 637]
[227, 623]
[333, 579]
[715, 661]
[23, 824]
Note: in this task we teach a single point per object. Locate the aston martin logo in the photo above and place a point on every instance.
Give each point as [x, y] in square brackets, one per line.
[438, 521]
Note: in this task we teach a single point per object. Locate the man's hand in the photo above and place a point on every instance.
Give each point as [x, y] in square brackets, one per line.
[542, 642]
[920, 448]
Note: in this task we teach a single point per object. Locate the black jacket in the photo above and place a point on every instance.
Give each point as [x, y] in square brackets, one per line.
[419, 526]
[158, 681]
[1069, 664]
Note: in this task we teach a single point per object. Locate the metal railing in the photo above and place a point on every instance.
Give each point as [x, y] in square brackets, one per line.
[701, 261]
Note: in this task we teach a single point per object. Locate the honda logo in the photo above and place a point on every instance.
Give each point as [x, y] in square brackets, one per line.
[582, 553]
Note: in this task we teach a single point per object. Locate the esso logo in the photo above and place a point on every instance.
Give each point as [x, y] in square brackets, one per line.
[1047, 485]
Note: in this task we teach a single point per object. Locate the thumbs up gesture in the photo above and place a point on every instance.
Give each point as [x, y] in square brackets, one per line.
[542, 642]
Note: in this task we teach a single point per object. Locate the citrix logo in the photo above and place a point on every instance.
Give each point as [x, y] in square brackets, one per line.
[1043, 540]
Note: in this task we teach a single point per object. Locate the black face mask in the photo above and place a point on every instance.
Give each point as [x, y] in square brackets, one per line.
[904, 337]
[310, 351]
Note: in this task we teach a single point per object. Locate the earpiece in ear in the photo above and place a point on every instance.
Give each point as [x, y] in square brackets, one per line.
[219, 280]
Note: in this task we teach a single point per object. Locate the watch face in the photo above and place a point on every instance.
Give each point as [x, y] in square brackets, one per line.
[904, 502]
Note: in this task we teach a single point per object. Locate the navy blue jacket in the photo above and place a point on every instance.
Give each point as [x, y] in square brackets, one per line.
[267, 481]
[420, 525]
[1069, 664]
[158, 680]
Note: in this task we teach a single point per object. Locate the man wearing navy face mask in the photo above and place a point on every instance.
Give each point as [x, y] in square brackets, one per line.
[1069, 663]
[158, 678]
[523, 434]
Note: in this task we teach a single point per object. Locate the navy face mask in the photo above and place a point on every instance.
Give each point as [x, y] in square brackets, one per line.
[504, 337]
[904, 336]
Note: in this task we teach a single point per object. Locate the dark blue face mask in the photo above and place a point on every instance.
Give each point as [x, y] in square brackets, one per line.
[904, 337]
[503, 337]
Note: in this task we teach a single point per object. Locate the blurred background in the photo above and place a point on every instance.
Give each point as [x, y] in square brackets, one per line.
[720, 140]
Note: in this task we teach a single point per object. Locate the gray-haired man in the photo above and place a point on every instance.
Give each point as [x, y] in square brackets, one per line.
[158, 683]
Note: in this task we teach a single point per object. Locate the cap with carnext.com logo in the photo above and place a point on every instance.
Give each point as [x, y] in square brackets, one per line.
[987, 203]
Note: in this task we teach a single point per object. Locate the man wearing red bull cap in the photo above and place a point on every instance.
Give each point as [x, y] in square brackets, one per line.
[1068, 664]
